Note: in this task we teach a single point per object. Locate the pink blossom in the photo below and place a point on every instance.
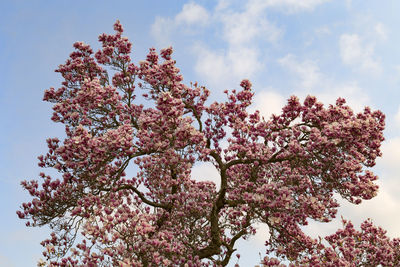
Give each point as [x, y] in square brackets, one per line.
[281, 172]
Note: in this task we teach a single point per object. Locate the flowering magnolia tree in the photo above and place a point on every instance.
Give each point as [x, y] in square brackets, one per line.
[279, 172]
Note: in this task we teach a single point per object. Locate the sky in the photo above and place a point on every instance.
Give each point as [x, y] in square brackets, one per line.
[285, 47]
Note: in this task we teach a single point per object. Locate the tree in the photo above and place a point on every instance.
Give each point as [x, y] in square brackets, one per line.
[280, 172]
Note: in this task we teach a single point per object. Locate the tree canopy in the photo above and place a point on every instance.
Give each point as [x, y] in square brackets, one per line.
[279, 171]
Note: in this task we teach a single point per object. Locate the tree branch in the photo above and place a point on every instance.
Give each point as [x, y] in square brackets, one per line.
[140, 195]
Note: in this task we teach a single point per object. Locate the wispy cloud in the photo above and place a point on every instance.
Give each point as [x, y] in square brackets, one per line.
[323, 30]
[359, 55]
[226, 67]
[293, 6]
[241, 32]
[161, 31]
[191, 15]
[309, 79]
[241, 28]
[381, 31]
[307, 71]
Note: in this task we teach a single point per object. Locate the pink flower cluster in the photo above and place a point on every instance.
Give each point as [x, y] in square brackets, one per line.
[279, 171]
[350, 248]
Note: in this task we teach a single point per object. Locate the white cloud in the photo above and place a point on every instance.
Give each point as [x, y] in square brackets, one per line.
[369, 29]
[385, 203]
[351, 49]
[244, 61]
[377, 209]
[381, 31]
[261, 235]
[355, 97]
[212, 65]
[241, 28]
[293, 6]
[382, 209]
[268, 102]
[323, 30]
[308, 70]
[287, 6]
[226, 68]
[242, 31]
[349, 4]
[328, 93]
[206, 171]
[358, 55]
[192, 13]
[311, 80]
[240, 59]
[161, 30]
[391, 155]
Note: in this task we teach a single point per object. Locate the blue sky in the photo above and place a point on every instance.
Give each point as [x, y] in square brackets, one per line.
[318, 47]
